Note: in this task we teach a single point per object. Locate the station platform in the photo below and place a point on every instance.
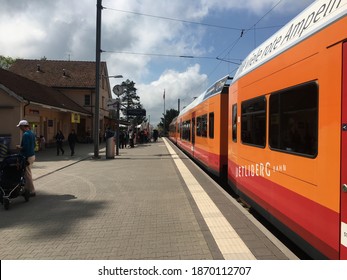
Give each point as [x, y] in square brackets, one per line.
[150, 202]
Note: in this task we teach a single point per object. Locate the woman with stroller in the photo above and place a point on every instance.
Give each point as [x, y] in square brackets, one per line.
[27, 149]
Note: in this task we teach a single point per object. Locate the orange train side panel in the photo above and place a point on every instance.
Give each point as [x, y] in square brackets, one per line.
[212, 152]
[343, 243]
[323, 65]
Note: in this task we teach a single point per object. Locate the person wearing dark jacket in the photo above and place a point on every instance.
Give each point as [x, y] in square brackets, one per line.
[72, 139]
[59, 138]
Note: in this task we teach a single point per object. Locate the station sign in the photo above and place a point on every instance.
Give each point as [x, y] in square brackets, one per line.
[112, 104]
[136, 112]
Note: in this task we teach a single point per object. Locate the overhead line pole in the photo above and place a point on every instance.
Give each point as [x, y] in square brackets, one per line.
[97, 79]
[164, 113]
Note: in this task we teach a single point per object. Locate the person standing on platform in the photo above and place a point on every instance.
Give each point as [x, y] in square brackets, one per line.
[72, 139]
[59, 138]
[121, 139]
[27, 149]
[42, 143]
[131, 138]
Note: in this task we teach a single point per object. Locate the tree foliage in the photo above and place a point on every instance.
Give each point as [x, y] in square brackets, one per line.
[130, 100]
[167, 119]
[6, 61]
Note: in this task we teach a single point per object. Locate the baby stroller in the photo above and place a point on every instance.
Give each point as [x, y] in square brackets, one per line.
[12, 181]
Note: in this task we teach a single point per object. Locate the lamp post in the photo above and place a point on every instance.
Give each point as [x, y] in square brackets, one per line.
[117, 127]
[97, 79]
[118, 91]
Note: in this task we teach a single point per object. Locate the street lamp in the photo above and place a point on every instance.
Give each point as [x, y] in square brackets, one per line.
[114, 76]
[97, 78]
[118, 91]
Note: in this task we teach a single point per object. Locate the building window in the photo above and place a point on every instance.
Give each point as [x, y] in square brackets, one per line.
[253, 121]
[293, 123]
[87, 100]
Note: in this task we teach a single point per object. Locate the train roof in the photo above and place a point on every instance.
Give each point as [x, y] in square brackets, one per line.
[214, 89]
[314, 18]
[173, 121]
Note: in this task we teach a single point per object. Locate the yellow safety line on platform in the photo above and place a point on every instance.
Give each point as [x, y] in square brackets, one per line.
[229, 242]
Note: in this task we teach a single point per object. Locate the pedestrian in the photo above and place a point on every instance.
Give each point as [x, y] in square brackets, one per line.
[42, 143]
[121, 140]
[109, 133]
[27, 149]
[72, 139]
[131, 138]
[59, 138]
[127, 139]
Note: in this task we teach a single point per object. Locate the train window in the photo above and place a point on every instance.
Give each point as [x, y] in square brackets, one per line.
[201, 126]
[186, 130]
[293, 121]
[234, 122]
[211, 125]
[198, 126]
[180, 131]
[253, 121]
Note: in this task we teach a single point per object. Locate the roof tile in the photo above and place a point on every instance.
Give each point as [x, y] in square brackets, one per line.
[58, 73]
[36, 92]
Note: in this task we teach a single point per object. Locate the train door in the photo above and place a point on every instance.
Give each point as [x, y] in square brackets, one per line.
[343, 243]
[193, 131]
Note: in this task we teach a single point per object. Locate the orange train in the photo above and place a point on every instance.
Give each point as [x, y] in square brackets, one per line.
[278, 130]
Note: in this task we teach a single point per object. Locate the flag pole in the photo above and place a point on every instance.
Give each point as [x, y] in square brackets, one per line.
[164, 113]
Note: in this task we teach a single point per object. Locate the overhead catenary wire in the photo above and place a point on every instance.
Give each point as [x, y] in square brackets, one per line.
[237, 61]
[185, 21]
[245, 31]
[219, 58]
[174, 19]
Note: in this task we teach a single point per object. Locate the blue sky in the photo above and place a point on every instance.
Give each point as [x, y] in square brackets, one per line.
[143, 40]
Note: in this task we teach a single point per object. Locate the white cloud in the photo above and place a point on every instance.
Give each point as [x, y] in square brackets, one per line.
[177, 85]
[63, 29]
[257, 7]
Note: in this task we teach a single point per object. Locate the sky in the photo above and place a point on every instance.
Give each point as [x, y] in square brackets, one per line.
[180, 47]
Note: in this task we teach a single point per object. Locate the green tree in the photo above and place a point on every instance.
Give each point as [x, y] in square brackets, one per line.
[167, 119]
[6, 62]
[130, 100]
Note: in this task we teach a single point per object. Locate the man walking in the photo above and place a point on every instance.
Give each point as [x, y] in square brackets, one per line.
[72, 139]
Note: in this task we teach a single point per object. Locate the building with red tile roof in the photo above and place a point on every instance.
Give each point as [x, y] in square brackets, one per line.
[53, 95]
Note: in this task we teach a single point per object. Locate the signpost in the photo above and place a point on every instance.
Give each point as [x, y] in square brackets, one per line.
[118, 91]
[112, 104]
[136, 112]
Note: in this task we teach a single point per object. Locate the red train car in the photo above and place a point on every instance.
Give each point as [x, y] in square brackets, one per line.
[287, 144]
